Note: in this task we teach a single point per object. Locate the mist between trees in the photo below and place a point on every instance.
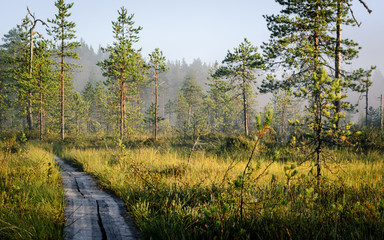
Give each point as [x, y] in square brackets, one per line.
[189, 146]
[191, 98]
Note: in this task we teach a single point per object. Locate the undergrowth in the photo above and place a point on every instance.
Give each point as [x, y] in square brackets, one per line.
[170, 198]
[31, 202]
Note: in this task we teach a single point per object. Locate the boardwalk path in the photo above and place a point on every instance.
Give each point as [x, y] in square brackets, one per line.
[90, 212]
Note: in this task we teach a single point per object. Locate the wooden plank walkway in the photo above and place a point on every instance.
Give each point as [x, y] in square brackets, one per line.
[90, 212]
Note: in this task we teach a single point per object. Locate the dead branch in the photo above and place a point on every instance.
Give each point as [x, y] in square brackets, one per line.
[366, 6]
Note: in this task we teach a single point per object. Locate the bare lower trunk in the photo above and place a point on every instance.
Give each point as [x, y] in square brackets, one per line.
[318, 132]
[122, 107]
[62, 90]
[156, 104]
[29, 114]
[30, 117]
[366, 103]
[245, 110]
[283, 122]
[41, 117]
[78, 123]
[318, 113]
[318, 161]
[381, 112]
[189, 113]
[338, 60]
[99, 117]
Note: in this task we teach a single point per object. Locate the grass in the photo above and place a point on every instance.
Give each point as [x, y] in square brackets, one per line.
[171, 199]
[31, 202]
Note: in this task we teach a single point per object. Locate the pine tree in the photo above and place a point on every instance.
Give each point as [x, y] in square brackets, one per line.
[193, 94]
[21, 70]
[181, 109]
[4, 69]
[344, 49]
[239, 67]
[63, 31]
[157, 63]
[299, 42]
[151, 116]
[100, 104]
[81, 110]
[124, 63]
[88, 95]
[16, 44]
[11, 50]
[23, 64]
[220, 104]
[31, 24]
[32, 70]
[321, 118]
[285, 107]
[44, 74]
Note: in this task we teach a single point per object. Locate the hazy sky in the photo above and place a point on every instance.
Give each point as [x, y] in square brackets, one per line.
[191, 29]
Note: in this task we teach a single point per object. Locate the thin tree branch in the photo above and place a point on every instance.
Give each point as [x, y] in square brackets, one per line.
[353, 15]
[36, 20]
[366, 6]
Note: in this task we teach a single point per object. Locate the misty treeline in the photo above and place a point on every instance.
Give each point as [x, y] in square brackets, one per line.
[51, 84]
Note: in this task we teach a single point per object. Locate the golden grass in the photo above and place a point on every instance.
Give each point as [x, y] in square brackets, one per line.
[31, 203]
[170, 198]
[206, 169]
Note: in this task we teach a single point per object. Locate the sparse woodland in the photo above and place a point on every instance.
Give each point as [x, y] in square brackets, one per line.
[187, 147]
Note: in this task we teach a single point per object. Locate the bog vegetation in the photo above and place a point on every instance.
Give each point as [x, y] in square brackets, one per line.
[186, 147]
[32, 199]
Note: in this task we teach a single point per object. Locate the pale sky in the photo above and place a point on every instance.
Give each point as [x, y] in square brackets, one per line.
[191, 29]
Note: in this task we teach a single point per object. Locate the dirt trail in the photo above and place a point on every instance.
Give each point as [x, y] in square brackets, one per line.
[90, 212]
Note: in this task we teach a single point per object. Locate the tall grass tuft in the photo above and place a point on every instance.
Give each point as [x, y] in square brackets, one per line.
[31, 202]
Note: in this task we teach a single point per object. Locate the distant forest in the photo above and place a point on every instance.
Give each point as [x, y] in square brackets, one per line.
[64, 84]
[171, 80]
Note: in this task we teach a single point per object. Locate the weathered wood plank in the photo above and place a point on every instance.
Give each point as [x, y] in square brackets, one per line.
[90, 212]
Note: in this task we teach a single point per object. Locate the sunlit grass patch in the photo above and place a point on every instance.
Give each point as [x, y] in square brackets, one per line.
[170, 197]
[31, 203]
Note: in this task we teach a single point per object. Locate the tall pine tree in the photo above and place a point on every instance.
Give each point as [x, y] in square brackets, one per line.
[157, 63]
[344, 49]
[63, 32]
[239, 67]
[44, 75]
[300, 42]
[124, 63]
[31, 24]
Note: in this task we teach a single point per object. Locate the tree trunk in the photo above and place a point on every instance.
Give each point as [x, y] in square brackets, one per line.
[245, 109]
[30, 114]
[99, 117]
[189, 113]
[62, 88]
[283, 121]
[122, 107]
[156, 102]
[318, 110]
[366, 102]
[338, 60]
[41, 115]
[78, 123]
[381, 112]
[318, 130]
